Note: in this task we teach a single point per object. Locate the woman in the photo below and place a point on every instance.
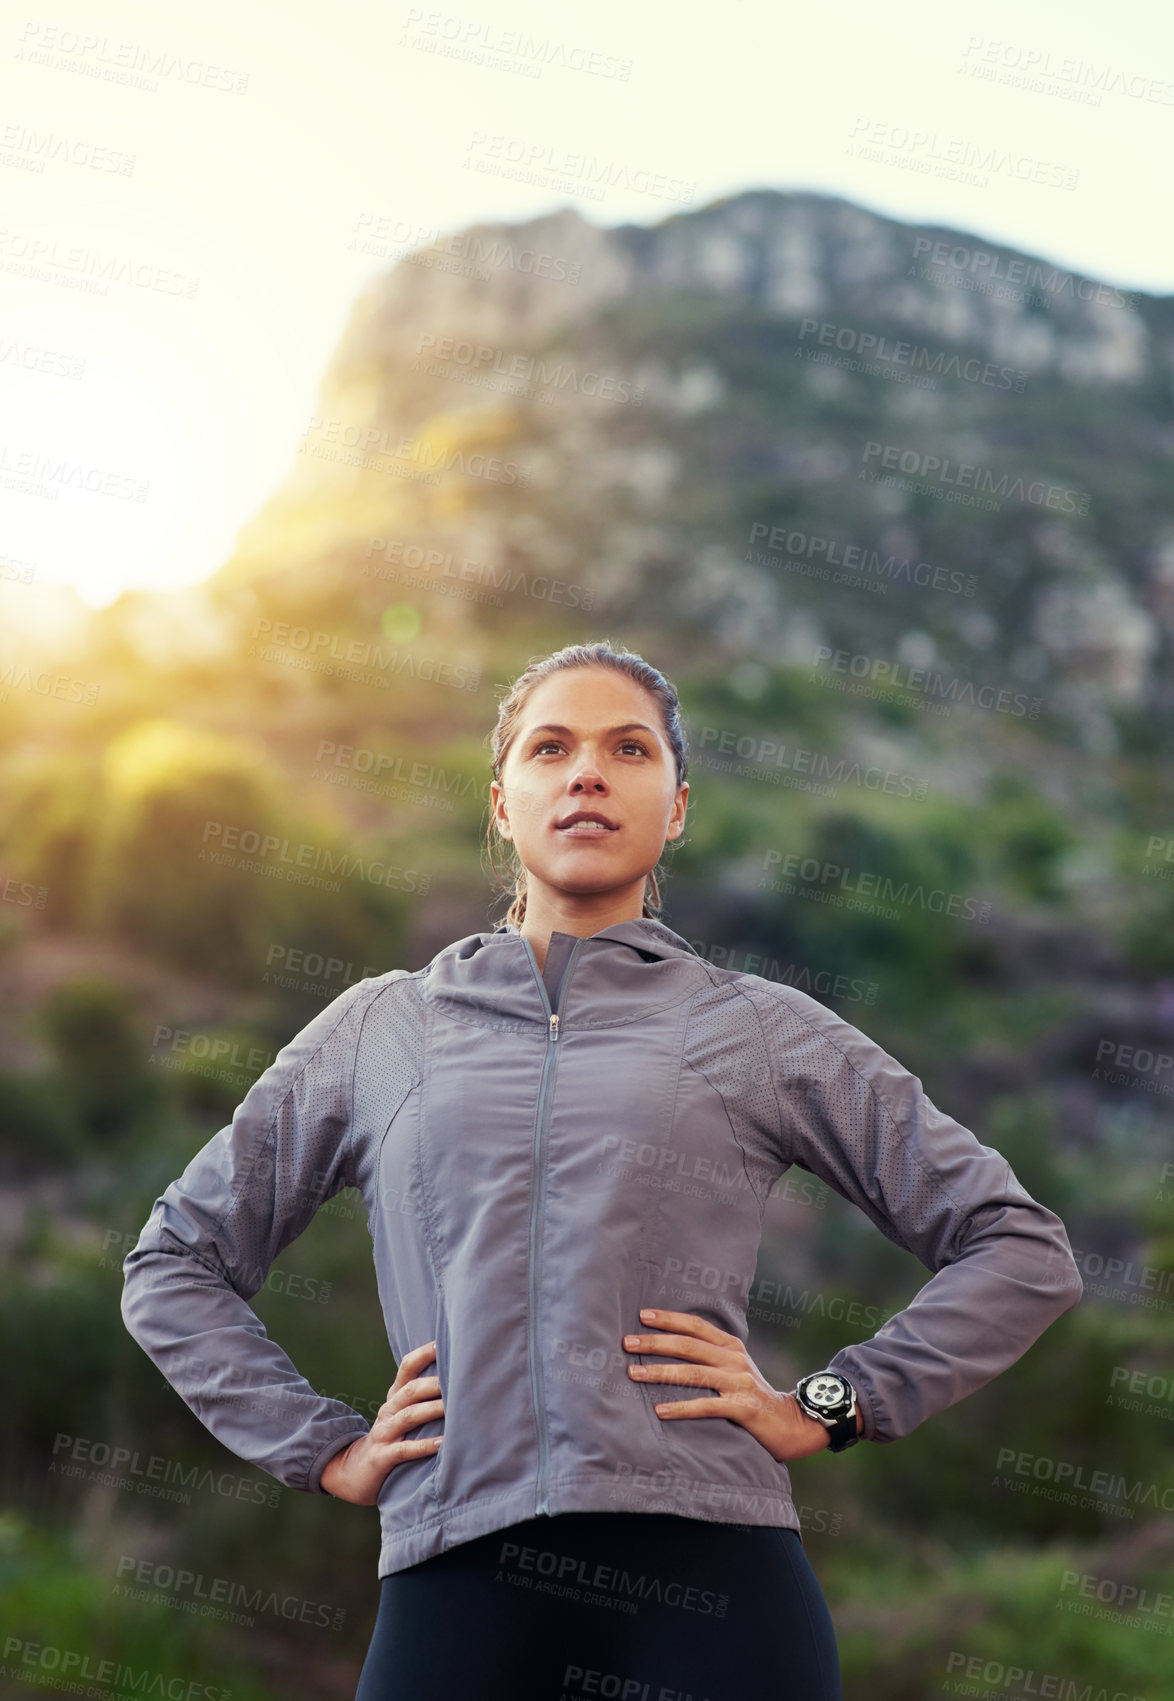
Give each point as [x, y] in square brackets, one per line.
[565, 1131]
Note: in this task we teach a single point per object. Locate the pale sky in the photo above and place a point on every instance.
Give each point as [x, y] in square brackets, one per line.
[151, 421]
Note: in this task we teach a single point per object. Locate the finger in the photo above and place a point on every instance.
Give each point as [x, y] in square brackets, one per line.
[420, 1386]
[681, 1346]
[395, 1446]
[699, 1376]
[418, 1356]
[421, 1444]
[406, 1373]
[429, 1408]
[690, 1323]
[414, 1419]
[398, 1433]
[404, 1417]
[413, 1386]
[694, 1408]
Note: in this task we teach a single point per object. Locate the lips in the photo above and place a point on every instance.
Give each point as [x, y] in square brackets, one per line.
[587, 823]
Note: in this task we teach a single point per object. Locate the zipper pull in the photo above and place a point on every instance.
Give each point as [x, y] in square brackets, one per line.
[554, 1024]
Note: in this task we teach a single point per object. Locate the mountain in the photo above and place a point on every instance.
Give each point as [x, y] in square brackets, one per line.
[883, 499]
[695, 426]
[892, 508]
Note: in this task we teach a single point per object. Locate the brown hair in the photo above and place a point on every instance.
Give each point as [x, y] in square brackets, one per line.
[599, 654]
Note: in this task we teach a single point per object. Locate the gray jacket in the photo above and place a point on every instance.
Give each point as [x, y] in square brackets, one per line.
[532, 1179]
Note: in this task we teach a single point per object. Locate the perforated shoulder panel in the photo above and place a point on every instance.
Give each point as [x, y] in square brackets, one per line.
[725, 1041]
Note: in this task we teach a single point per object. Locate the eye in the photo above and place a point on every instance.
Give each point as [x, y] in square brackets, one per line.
[556, 744]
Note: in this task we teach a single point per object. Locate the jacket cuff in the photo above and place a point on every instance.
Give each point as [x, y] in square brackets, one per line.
[865, 1395]
[324, 1456]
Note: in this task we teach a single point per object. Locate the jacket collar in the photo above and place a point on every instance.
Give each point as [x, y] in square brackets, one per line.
[621, 973]
[644, 934]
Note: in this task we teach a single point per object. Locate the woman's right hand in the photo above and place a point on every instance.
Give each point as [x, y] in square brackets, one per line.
[358, 1471]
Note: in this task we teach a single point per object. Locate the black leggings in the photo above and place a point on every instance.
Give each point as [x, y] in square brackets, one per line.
[635, 1606]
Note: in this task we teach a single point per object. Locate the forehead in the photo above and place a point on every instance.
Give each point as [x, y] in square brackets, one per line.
[582, 693]
[589, 697]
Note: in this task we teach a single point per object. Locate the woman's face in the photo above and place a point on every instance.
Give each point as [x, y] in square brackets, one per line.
[589, 738]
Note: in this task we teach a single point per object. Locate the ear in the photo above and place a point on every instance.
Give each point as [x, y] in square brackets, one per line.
[498, 813]
[675, 825]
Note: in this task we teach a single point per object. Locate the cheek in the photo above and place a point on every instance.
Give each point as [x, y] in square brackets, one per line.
[528, 811]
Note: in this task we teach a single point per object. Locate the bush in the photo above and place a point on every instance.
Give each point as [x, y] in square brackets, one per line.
[36, 1130]
[92, 1026]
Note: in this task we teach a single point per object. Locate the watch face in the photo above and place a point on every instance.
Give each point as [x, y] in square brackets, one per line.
[826, 1390]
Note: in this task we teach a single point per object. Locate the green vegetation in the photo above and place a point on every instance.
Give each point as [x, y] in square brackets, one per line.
[219, 847]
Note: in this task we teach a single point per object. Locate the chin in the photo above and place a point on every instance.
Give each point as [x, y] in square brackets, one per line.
[593, 882]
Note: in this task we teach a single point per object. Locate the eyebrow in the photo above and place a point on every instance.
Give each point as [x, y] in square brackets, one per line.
[628, 726]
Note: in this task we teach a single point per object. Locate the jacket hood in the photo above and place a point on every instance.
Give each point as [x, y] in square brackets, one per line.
[644, 934]
[627, 969]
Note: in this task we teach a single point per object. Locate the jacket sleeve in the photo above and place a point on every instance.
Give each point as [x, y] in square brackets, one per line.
[214, 1234]
[1003, 1267]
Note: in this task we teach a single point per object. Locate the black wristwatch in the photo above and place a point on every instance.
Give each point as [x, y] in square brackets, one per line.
[830, 1397]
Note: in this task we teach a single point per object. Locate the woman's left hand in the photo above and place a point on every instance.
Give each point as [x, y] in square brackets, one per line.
[720, 1360]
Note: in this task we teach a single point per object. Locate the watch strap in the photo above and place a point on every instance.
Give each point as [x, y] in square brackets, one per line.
[842, 1432]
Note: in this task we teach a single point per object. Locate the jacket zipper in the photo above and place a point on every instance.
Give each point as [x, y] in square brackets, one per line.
[537, 1198]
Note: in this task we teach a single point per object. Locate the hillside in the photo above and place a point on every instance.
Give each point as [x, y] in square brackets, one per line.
[892, 508]
[686, 419]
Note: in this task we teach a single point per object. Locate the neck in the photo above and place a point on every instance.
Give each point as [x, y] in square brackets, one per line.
[545, 916]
